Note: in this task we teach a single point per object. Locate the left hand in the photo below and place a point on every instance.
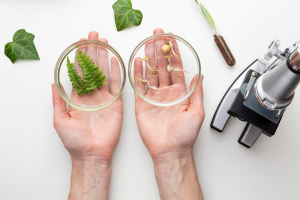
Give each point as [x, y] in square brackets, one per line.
[167, 131]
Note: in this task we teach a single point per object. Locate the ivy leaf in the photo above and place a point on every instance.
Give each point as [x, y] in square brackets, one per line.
[207, 16]
[22, 47]
[125, 16]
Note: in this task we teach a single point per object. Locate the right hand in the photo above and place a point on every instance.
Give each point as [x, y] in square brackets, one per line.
[91, 134]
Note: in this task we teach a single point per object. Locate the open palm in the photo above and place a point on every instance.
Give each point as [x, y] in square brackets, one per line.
[91, 134]
[167, 130]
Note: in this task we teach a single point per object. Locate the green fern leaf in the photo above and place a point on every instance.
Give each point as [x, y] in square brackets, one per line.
[77, 82]
[92, 75]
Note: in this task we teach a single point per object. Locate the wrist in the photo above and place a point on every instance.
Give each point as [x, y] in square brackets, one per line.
[90, 178]
[173, 162]
[172, 156]
[176, 176]
[95, 160]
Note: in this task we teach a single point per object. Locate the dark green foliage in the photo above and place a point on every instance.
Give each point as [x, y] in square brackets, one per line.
[92, 75]
[22, 47]
[125, 16]
[77, 82]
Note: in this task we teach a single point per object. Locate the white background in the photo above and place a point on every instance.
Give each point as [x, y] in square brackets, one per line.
[33, 162]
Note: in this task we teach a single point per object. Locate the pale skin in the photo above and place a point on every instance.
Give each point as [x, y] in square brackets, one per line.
[169, 133]
[91, 137]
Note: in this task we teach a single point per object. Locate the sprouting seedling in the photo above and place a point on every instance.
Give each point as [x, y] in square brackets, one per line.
[170, 68]
[169, 47]
[154, 71]
[166, 48]
[167, 57]
[207, 16]
[181, 70]
[172, 49]
[152, 87]
[143, 81]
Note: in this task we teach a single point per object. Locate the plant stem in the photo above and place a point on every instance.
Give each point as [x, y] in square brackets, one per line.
[208, 17]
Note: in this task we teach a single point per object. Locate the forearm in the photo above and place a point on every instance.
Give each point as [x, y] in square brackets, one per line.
[177, 178]
[90, 179]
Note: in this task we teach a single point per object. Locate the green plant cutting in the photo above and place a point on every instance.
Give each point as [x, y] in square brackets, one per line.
[92, 75]
[22, 47]
[219, 40]
[125, 16]
[207, 16]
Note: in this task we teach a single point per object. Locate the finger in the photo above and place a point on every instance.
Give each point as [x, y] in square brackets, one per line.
[91, 49]
[138, 75]
[196, 99]
[176, 63]
[59, 105]
[103, 63]
[115, 76]
[162, 63]
[150, 53]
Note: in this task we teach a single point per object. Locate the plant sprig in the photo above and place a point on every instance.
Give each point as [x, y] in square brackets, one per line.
[92, 75]
[125, 15]
[22, 47]
[207, 16]
[77, 82]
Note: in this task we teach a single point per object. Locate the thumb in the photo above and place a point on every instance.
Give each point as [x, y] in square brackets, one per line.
[196, 99]
[59, 105]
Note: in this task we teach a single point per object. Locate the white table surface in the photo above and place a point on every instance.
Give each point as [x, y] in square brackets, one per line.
[35, 165]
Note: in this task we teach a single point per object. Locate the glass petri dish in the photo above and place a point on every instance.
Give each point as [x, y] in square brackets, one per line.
[111, 65]
[161, 73]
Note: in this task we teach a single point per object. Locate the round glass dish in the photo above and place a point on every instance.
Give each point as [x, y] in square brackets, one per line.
[161, 69]
[111, 65]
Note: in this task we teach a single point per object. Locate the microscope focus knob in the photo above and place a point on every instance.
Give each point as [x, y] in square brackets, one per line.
[272, 50]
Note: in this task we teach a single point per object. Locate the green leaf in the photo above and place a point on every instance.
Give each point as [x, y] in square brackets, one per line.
[92, 75]
[77, 82]
[22, 47]
[125, 16]
[207, 16]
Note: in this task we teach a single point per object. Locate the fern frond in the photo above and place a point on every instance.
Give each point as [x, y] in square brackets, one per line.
[77, 82]
[92, 74]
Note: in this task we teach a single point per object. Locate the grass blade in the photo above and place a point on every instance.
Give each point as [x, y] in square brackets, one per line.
[207, 16]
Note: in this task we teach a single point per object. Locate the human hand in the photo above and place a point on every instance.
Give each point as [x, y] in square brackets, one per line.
[91, 137]
[169, 133]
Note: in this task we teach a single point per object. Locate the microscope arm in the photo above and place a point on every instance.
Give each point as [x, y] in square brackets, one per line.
[221, 116]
